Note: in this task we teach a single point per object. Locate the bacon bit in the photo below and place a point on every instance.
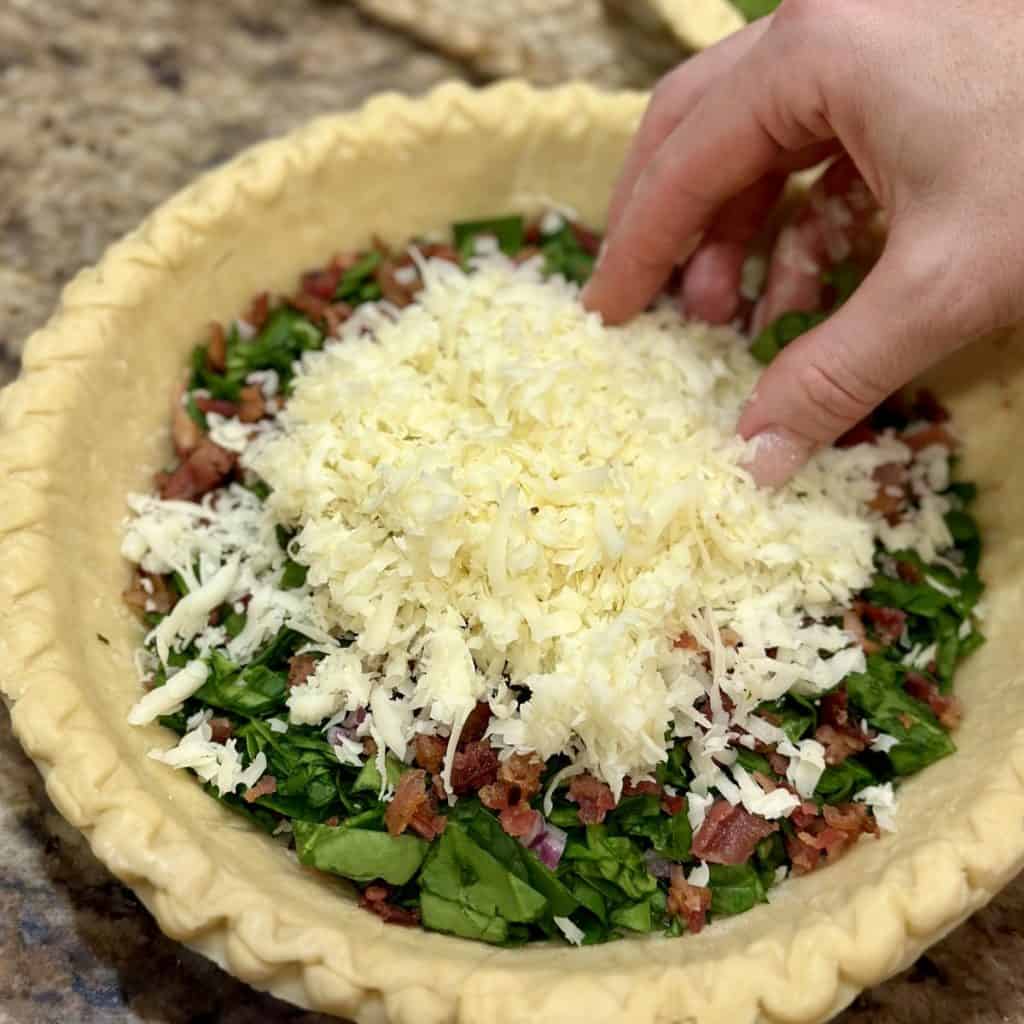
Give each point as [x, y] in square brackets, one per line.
[936, 434]
[532, 235]
[840, 744]
[300, 668]
[948, 710]
[730, 834]
[804, 816]
[217, 349]
[594, 798]
[928, 407]
[829, 835]
[267, 786]
[185, 432]
[437, 785]
[496, 796]
[160, 596]
[522, 771]
[377, 900]
[690, 902]
[520, 819]
[312, 306]
[205, 469]
[834, 709]
[908, 572]
[526, 253]
[854, 625]
[369, 746]
[589, 242]
[779, 762]
[391, 289]
[221, 406]
[631, 788]
[672, 804]
[251, 404]
[322, 284]
[441, 251]
[413, 807]
[891, 478]
[474, 766]
[257, 314]
[333, 821]
[475, 726]
[430, 751]
[862, 433]
[686, 642]
[222, 730]
[888, 623]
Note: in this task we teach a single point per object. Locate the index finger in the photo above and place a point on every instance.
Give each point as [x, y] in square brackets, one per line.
[673, 99]
[722, 148]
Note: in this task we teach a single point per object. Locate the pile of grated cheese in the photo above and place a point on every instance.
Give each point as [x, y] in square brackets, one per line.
[499, 499]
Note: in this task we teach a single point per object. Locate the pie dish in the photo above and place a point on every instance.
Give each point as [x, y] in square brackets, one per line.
[86, 425]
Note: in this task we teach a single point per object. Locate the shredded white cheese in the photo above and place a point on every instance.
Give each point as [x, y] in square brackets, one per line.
[882, 801]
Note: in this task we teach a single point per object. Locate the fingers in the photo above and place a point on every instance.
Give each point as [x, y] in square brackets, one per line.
[673, 99]
[838, 208]
[719, 150]
[712, 279]
[831, 378]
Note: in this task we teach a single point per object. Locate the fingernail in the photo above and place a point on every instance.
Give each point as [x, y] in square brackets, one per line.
[587, 291]
[778, 454]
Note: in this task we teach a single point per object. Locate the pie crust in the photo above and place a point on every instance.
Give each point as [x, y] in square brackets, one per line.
[87, 423]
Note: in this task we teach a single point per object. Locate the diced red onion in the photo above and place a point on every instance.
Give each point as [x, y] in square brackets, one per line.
[657, 866]
[347, 729]
[549, 845]
[535, 833]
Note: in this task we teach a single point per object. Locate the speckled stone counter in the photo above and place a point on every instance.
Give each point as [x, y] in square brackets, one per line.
[106, 107]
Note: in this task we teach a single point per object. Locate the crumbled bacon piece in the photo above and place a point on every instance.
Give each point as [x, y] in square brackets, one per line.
[835, 708]
[730, 834]
[891, 499]
[908, 572]
[217, 349]
[888, 623]
[936, 434]
[840, 736]
[474, 766]
[259, 310]
[779, 762]
[413, 807]
[672, 803]
[441, 251]
[520, 820]
[221, 406]
[266, 786]
[391, 289]
[928, 407]
[686, 642]
[523, 771]
[594, 797]
[149, 592]
[829, 835]
[729, 637]
[588, 241]
[647, 788]
[313, 307]
[854, 625]
[322, 284]
[430, 751]
[377, 899]
[206, 468]
[690, 902]
[840, 744]
[251, 404]
[185, 432]
[222, 730]
[300, 668]
[475, 726]
[496, 796]
[947, 709]
[527, 253]
[804, 815]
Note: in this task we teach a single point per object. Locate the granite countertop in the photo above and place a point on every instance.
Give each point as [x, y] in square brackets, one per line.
[106, 107]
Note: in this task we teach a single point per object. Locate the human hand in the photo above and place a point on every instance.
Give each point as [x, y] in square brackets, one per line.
[925, 106]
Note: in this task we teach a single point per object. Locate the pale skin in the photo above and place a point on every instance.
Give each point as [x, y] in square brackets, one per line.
[922, 110]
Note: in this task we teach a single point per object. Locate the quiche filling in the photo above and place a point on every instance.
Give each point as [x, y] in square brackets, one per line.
[471, 601]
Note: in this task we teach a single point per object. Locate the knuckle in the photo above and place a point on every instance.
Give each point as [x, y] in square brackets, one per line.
[834, 397]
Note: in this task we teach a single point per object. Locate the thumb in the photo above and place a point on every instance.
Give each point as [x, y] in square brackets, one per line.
[826, 381]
